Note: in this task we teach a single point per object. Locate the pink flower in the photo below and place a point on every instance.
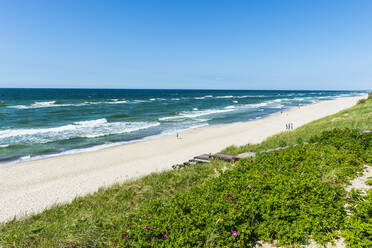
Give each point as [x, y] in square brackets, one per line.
[296, 165]
[127, 242]
[347, 137]
[262, 172]
[251, 161]
[165, 235]
[147, 216]
[227, 197]
[147, 227]
[181, 220]
[234, 202]
[282, 166]
[295, 200]
[249, 186]
[234, 233]
[126, 236]
[347, 197]
[230, 194]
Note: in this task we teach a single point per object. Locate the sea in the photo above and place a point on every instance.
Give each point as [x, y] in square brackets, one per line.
[39, 123]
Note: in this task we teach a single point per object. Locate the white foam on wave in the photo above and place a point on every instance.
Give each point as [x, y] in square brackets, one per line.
[194, 114]
[197, 113]
[224, 96]
[103, 146]
[116, 101]
[3, 146]
[235, 101]
[277, 106]
[203, 97]
[247, 96]
[89, 129]
[257, 105]
[47, 104]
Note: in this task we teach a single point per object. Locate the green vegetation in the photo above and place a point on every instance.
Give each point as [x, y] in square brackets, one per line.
[358, 228]
[357, 117]
[97, 220]
[369, 181]
[290, 204]
[289, 196]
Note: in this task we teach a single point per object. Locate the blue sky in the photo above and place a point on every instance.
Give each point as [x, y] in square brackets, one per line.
[186, 44]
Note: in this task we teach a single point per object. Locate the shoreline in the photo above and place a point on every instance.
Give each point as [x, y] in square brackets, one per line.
[13, 160]
[32, 186]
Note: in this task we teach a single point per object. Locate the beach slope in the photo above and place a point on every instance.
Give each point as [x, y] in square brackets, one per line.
[33, 186]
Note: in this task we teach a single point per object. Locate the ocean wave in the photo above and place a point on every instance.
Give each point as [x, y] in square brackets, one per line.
[203, 97]
[85, 129]
[230, 107]
[298, 99]
[194, 114]
[140, 101]
[247, 96]
[257, 105]
[224, 96]
[235, 101]
[277, 106]
[47, 104]
[116, 101]
[3, 146]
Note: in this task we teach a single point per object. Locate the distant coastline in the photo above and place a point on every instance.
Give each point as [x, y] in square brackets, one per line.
[45, 123]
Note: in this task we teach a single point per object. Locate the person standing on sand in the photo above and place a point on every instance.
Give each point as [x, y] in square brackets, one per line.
[177, 135]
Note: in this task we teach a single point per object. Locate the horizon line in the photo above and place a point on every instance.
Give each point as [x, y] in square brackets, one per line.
[62, 88]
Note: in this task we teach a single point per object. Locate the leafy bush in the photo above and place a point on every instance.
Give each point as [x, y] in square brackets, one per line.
[357, 229]
[369, 181]
[290, 196]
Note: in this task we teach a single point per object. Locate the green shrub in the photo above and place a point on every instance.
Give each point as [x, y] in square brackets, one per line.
[357, 229]
[369, 181]
[283, 195]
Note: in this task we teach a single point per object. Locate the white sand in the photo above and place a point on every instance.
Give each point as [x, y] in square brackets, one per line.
[33, 186]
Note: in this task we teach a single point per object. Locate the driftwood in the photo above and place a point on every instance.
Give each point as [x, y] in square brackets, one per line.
[245, 155]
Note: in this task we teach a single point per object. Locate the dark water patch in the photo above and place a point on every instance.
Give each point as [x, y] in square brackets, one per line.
[118, 116]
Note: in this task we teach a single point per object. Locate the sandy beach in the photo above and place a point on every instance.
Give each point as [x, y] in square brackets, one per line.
[33, 186]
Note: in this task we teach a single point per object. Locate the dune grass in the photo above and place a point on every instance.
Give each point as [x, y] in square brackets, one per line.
[357, 117]
[98, 220]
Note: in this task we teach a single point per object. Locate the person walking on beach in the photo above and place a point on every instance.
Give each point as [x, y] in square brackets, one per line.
[177, 135]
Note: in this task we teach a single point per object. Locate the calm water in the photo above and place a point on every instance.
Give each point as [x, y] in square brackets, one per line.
[42, 122]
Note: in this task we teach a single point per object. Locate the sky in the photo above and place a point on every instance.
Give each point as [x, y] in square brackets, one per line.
[186, 44]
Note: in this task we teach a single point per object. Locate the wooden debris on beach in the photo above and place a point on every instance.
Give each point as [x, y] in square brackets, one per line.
[227, 157]
[276, 149]
[246, 155]
[204, 158]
